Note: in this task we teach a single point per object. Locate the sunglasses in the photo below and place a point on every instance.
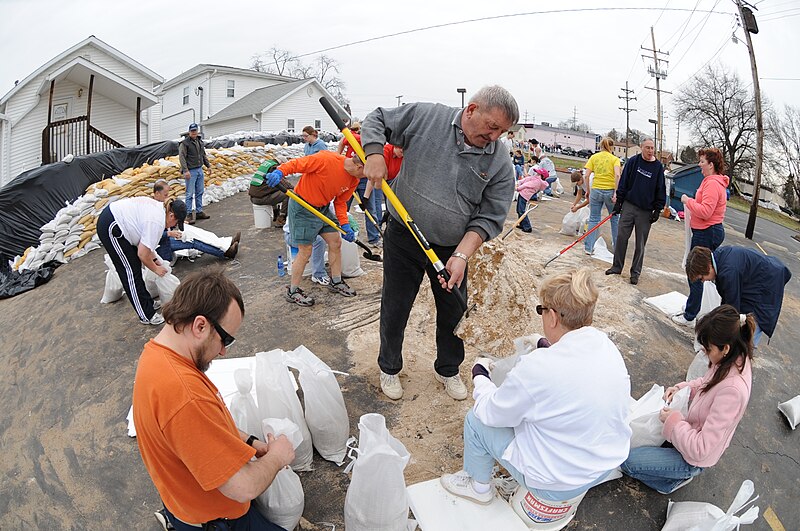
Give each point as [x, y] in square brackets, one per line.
[227, 339]
[541, 309]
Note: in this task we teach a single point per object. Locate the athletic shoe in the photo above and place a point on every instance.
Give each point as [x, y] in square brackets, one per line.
[156, 320]
[238, 236]
[298, 297]
[683, 484]
[280, 222]
[680, 319]
[612, 271]
[202, 215]
[324, 280]
[453, 385]
[590, 253]
[390, 385]
[230, 254]
[342, 289]
[460, 484]
[377, 244]
[161, 516]
[156, 305]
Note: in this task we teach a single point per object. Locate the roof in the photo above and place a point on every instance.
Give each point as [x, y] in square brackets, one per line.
[540, 127]
[204, 67]
[94, 41]
[263, 99]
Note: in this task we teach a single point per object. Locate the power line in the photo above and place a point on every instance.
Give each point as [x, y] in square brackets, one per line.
[779, 18]
[676, 63]
[781, 78]
[686, 24]
[725, 43]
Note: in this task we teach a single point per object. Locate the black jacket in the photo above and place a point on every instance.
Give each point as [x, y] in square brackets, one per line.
[192, 154]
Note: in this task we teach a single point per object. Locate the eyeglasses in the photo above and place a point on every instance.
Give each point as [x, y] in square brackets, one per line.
[227, 339]
[541, 309]
[356, 129]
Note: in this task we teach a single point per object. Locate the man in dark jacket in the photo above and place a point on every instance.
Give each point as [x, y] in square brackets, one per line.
[641, 195]
[192, 155]
[268, 195]
[745, 279]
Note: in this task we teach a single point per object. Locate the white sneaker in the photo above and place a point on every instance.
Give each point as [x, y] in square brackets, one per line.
[156, 320]
[157, 305]
[391, 387]
[681, 320]
[453, 385]
[679, 486]
[460, 484]
[324, 280]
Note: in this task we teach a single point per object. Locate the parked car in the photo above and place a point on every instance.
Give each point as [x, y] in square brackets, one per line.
[585, 153]
[568, 151]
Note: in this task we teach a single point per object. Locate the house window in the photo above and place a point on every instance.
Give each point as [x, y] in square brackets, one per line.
[317, 124]
[186, 95]
[231, 88]
[290, 125]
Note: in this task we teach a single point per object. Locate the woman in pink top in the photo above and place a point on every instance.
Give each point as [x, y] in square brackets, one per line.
[707, 210]
[718, 401]
[527, 188]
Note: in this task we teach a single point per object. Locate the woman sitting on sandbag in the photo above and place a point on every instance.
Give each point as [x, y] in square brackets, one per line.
[718, 401]
[557, 422]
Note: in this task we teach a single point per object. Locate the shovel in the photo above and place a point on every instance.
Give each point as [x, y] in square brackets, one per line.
[401, 211]
[567, 248]
[366, 212]
[519, 220]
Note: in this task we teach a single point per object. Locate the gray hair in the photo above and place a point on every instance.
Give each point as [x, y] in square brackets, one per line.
[496, 97]
[645, 139]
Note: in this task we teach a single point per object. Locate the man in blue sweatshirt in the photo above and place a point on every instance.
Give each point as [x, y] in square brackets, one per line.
[641, 195]
[457, 182]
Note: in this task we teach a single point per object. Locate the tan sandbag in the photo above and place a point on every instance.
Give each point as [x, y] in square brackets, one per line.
[72, 251]
[100, 204]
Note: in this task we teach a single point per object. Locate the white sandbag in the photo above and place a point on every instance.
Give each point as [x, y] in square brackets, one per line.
[523, 345]
[376, 497]
[113, 290]
[150, 282]
[573, 222]
[711, 299]
[647, 428]
[791, 409]
[351, 259]
[698, 367]
[166, 286]
[326, 414]
[192, 233]
[701, 516]
[243, 407]
[283, 501]
[278, 399]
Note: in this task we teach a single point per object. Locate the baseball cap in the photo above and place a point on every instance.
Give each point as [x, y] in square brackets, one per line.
[193, 127]
[178, 208]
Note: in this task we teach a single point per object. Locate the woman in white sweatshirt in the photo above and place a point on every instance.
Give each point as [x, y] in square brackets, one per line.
[557, 422]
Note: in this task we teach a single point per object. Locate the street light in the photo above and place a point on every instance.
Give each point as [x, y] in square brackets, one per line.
[655, 131]
[462, 91]
[398, 99]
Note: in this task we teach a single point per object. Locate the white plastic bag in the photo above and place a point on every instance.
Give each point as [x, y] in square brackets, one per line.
[150, 282]
[647, 428]
[326, 414]
[791, 409]
[701, 516]
[376, 497]
[113, 290]
[278, 399]
[283, 501]
[243, 407]
[573, 222]
[502, 366]
[699, 365]
[166, 286]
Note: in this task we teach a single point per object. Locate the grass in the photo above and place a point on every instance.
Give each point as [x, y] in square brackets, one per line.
[567, 163]
[765, 213]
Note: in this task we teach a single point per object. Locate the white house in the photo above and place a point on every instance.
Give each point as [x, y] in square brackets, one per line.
[87, 99]
[288, 106]
[555, 136]
[200, 92]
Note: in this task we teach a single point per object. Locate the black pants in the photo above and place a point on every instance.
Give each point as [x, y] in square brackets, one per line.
[404, 264]
[252, 520]
[632, 217]
[125, 258]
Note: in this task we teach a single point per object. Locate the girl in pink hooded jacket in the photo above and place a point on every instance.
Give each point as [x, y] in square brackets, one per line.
[718, 401]
[527, 187]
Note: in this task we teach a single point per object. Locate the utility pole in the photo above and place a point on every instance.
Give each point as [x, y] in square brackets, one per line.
[657, 72]
[398, 99]
[575, 118]
[678, 141]
[749, 22]
[526, 116]
[627, 97]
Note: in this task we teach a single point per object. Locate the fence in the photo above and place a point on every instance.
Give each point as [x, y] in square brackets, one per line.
[75, 136]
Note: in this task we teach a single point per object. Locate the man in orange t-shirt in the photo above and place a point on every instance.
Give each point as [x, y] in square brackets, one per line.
[327, 177]
[200, 463]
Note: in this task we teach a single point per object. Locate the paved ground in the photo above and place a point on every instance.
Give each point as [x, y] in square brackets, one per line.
[69, 364]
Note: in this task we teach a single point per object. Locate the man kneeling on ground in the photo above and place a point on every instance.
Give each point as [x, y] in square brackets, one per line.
[198, 460]
[557, 422]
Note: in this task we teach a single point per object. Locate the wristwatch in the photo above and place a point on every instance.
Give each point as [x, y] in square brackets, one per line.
[251, 439]
[461, 255]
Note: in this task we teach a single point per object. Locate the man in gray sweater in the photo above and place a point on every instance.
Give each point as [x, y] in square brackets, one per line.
[457, 182]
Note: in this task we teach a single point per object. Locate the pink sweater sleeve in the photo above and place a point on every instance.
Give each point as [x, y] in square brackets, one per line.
[703, 446]
[712, 195]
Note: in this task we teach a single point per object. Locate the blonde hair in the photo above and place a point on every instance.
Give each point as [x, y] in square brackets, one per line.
[572, 294]
[607, 144]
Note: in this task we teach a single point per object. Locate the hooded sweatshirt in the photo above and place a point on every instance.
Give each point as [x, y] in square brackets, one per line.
[709, 203]
[530, 185]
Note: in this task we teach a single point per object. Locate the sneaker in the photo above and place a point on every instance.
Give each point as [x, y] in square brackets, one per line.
[161, 516]
[324, 280]
[453, 385]
[342, 289]
[202, 215]
[612, 271]
[230, 254]
[156, 320]
[238, 236]
[280, 222]
[680, 319]
[190, 219]
[157, 305]
[682, 484]
[377, 244]
[391, 387]
[460, 484]
[590, 253]
[298, 297]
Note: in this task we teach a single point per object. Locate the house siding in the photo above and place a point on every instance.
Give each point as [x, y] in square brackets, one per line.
[244, 123]
[303, 107]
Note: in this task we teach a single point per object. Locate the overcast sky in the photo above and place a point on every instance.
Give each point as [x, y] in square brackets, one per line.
[553, 63]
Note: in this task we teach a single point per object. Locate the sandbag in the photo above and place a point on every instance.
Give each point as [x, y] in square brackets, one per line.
[283, 501]
[701, 516]
[647, 429]
[376, 497]
[523, 346]
[113, 290]
[791, 410]
[243, 407]
[573, 223]
[326, 413]
[278, 399]
[166, 286]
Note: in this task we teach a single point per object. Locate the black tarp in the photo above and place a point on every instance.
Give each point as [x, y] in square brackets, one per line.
[35, 196]
[13, 282]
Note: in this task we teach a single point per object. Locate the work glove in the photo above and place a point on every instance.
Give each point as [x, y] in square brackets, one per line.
[348, 235]
[274, 177]
[617, 208]
[482, 367]
[654, 215]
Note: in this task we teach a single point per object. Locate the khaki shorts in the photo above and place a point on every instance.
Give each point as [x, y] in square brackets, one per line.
[305, 226]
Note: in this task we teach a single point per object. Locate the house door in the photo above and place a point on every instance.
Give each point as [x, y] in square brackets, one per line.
[62, 137]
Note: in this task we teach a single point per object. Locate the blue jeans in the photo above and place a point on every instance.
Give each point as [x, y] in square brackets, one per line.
[252, 520]
[318, 258]
[483, 445]
[195, 185]
[549, 189]
[659, 468]
[522, 205]
[518, 168]
[597, 199]
[168, 245]
[712, 237]
[373, 234]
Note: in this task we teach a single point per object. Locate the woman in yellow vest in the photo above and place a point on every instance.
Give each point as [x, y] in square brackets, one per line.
[606, 169]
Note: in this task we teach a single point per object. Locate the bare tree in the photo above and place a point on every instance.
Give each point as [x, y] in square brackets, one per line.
[275, 61]
[689, 155]
[783, 133]
[567, 124]
[720, 111]
[284, 63]
[615, 136]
